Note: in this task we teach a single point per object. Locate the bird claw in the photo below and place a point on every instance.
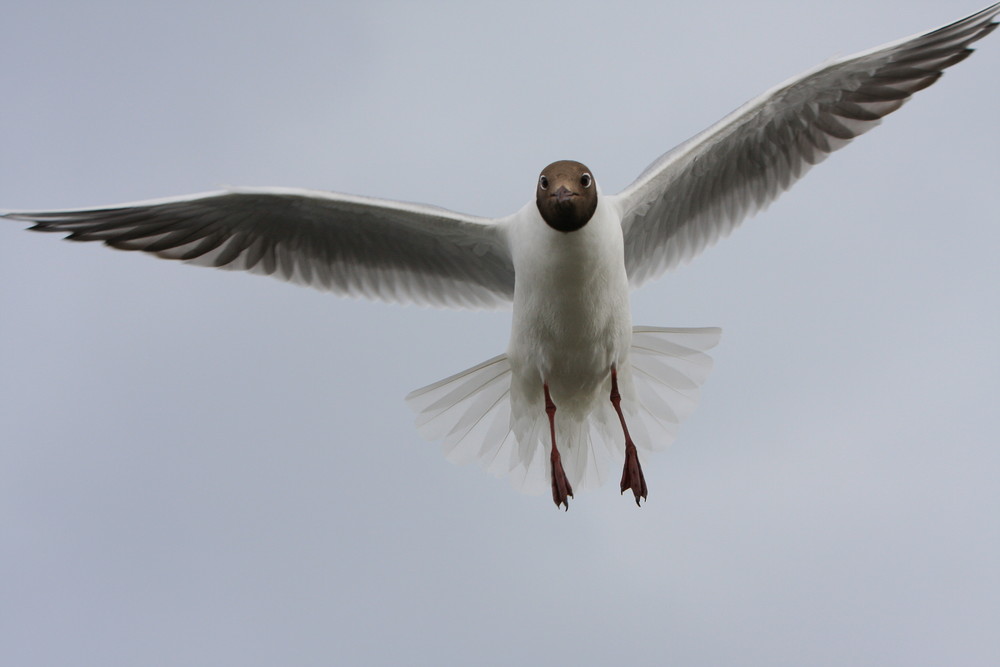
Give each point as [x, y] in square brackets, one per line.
[561, 489]
[632, 477]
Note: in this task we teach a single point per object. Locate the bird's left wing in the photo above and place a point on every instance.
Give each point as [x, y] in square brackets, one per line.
[698, 192]
[355, 246]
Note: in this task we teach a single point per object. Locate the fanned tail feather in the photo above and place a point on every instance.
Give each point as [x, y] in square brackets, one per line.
[668, 368]
[470, 413]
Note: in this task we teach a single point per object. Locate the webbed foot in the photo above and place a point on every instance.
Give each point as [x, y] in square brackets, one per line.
[632, 477]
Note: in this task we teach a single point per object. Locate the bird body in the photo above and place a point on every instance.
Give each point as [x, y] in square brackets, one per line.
[571, 318]
[571, 321]
[578, 380]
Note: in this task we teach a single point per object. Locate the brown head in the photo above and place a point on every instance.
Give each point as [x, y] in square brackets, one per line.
[566, 195]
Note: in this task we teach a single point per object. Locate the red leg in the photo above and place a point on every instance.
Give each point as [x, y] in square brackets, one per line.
[561, 490]
[632, 477]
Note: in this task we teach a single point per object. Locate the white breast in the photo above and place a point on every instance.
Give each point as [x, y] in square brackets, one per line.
[571, 318]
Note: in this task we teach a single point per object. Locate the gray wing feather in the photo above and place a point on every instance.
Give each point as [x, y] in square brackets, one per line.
[354, 246]
[698, 192]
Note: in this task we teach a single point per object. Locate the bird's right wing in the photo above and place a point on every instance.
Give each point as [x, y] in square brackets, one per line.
[355, 246]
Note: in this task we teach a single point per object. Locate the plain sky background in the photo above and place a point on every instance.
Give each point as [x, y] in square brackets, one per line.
[210, 468]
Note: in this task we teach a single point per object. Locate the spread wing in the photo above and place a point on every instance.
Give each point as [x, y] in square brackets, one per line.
[701, 190]
[350, 245]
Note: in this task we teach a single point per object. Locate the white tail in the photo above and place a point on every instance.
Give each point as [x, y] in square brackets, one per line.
[470, 413]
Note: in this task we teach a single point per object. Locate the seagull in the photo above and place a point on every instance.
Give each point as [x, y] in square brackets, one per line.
[579, 389]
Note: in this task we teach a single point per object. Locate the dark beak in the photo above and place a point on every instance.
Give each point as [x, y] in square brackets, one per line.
[563, 195]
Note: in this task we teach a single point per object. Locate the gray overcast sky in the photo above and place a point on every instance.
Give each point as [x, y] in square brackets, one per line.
[206, 468]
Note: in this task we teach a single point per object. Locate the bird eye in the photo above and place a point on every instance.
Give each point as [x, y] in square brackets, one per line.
[543, 182]
[586, 180]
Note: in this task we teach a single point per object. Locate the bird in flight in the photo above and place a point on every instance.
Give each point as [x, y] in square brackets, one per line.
[579, 389]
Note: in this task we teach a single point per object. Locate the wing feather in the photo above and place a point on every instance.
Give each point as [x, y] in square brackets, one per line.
[354, 246]
[700, 191]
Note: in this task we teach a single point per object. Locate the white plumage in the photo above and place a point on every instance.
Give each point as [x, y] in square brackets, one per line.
[470, 412]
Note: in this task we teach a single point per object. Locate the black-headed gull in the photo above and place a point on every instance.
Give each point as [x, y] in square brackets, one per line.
[578, 381]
